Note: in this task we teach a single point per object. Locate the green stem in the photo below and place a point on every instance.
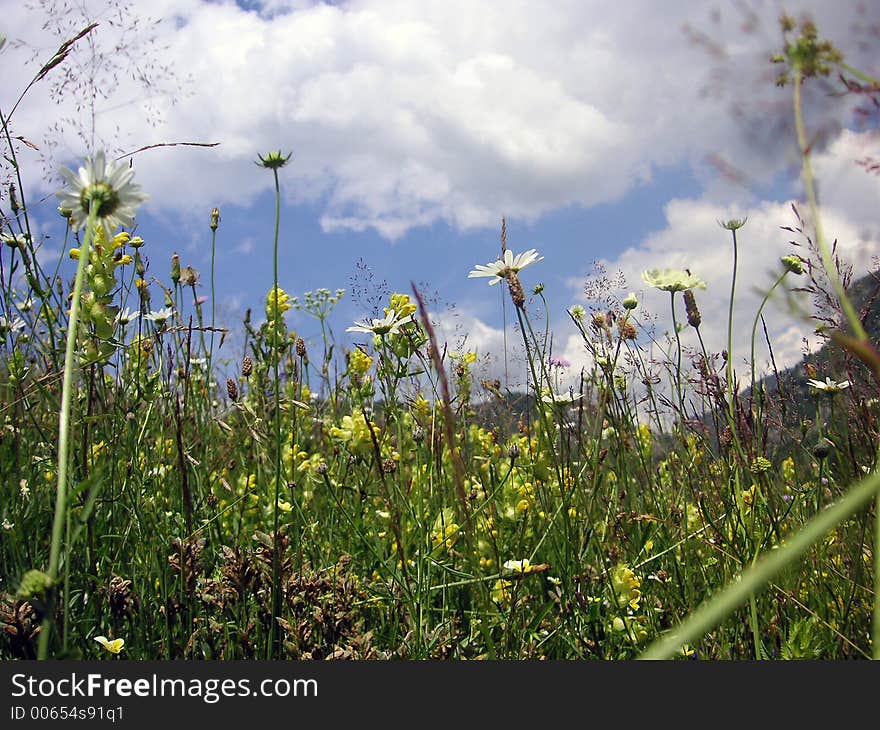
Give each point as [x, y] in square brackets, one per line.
[810, 190]
[64, 427]
[752, 363]
[677, 360]
[213, 250]
[730, 331]
[276, 561]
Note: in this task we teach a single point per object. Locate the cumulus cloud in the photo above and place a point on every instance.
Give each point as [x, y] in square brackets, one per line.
[401, 114]
[692, 239]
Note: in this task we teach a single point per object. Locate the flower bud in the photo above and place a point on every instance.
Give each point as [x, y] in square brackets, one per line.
[793, 264]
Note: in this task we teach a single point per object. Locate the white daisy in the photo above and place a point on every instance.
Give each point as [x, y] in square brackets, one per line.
[498, 270]
[109, 185]
[126, 316]
[10, 324]
[828, 386]
[390, 324]
[160, 315]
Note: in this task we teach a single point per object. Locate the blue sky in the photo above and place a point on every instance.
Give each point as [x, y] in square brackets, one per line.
[415, 126]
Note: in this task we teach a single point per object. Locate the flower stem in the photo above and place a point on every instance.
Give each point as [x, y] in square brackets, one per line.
[677, 358]
[754, 331]
[810, 190]
[64, 428]
[730, 331]
[276, 561]
[213, 297]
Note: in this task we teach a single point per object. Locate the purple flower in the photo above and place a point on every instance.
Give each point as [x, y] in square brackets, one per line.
[558, 362]
[202, 299]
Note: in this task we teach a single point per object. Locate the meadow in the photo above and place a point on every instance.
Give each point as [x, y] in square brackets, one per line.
[162, 500]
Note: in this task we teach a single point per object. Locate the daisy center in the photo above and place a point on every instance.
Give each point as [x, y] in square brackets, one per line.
[103, 194]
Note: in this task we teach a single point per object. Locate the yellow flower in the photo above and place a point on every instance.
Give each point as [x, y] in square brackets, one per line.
[519, 566]
[277, 296]
[626, 586]
[359, 362]
[401, 304]
[114, 646]
[501, 591]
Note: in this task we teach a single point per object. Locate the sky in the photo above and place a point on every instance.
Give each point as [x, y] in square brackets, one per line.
[618, 134]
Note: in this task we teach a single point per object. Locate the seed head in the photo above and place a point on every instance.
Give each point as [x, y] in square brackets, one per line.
[693, 313]
[517, 293]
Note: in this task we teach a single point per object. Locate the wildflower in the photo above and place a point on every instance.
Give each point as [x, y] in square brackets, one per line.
[626, 586]
[519, 566]
[114, 646]
[126, 316]
[10, 324]
[760, 465]
[500, 269]
[390, 324]
[359, 362]
[501, 591]
[401, 304]
[215, 218]
[694, 317]
[16, 240]
[273, 160]
[7, 525]
[793, 264]
[627, 329]
[277, 300]
[734, 224]
[106, 184]
[549, 396]
[558, 362]
[829, 387]
[517, 293]
[160, 315]
[630, 302]
[577, 312]
[33, 584]
[672, 280]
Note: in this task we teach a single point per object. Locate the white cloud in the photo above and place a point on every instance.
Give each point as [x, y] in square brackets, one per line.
[692, 239]
[401, 114]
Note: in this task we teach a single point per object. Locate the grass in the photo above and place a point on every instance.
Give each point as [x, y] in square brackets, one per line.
[367, 506]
